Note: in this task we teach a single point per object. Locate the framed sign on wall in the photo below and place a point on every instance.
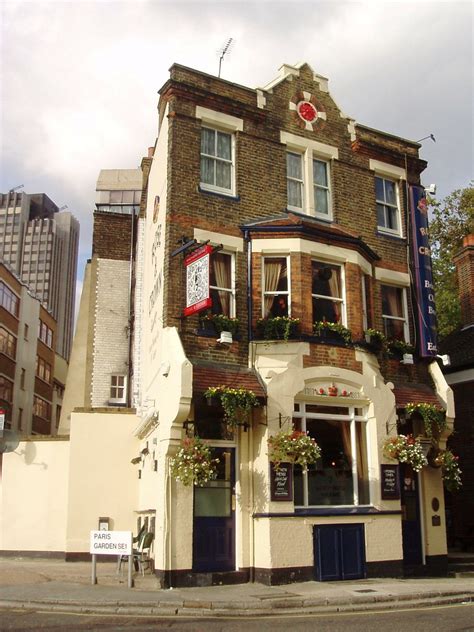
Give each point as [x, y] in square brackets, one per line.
[198, 295]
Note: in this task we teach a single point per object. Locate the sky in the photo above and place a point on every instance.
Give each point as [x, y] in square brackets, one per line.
[80, 79]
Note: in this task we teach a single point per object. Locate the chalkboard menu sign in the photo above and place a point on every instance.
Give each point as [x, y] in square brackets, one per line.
[390, 482]
[281, 481]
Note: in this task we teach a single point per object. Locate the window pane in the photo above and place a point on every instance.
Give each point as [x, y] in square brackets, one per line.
[392, 301]
[224, 146]
[379, 190]
[390, 192]
[294, 194]
[276, 275]
[207, 141]
[394, 328]
[326, 279]
[392, 218]
[207, 170]
[381, 215]
[321, 201]
[293, 165]
[127, 197]
[223, 174]
[279, 306]
[320, 173]
[325, 309]
[362, 465]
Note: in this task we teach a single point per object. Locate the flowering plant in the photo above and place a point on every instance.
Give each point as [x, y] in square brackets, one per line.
[434, 417]
[322, 326]
[450, 469]
[221, 323]
[193, 462]
[405, 449]
[236, 402]
[278, 327]
[293, 447]
[376, 339]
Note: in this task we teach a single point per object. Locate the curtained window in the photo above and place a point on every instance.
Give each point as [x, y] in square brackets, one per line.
[217, 160]
[394, 316]
[222, 284]
[276, 295]
[341, 476]
[328, 301]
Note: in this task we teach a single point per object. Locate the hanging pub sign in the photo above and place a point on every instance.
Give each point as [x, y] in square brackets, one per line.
[426, 310]
[198, 294]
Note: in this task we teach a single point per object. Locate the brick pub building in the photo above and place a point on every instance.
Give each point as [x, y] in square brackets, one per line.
[305, 214]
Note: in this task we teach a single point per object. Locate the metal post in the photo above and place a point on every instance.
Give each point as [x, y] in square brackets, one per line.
[94, 569]
[130, 564]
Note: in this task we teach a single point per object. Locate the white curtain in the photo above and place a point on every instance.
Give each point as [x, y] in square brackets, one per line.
[272, 277]
[334, 288]
[222, 273]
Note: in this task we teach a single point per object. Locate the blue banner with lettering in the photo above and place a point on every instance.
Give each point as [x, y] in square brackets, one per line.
[425, 310]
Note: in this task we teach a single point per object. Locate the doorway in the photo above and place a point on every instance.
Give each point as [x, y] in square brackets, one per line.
[411, 522]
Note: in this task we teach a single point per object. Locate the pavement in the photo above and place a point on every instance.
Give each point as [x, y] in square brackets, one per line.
[55, 585]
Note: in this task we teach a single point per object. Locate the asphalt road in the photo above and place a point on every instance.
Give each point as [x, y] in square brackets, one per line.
[455, 618]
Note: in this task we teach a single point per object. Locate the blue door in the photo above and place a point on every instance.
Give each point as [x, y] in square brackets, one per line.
[411, 525]
[339, 552]
[214, 518]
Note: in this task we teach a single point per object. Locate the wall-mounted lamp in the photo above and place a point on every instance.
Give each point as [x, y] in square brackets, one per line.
[136, 460]
[225, 338]
[165, 369]
[188, 426]
[445, 359]
[407, 358]
[431, 189]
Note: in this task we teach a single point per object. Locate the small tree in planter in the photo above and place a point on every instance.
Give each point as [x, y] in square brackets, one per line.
[450, 469]
[294, 447]
[434, 418]
[193, 463]
[405, 449]
[278, 327]
[236, 402]
[219, 323]
[324, 328]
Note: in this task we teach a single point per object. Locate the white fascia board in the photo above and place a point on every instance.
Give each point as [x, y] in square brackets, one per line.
[219, 119]
[386, 169]
[302, 144]
[235, 244]
[317, 250]
[392, 277]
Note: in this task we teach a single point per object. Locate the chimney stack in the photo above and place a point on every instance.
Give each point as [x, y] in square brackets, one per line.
[464, 261]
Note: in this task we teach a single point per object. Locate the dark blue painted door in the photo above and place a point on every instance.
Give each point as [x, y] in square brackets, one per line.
[411, 526]
[214, 518]
[339, 552]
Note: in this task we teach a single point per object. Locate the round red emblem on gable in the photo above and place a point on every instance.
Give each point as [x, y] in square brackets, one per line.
[307, 111]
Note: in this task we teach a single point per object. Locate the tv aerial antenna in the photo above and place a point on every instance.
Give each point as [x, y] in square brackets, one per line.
[225, 50]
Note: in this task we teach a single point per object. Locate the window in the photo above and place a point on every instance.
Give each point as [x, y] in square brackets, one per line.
[276, 295]
[341, 475]
[41, 408]
[22, 378]
[7, 343]
[217, 161]
[394, 312]
[9, 300]
[117, 389]
[222, 284]
[20, 419]
[45, 334]
[43, 369]
[319, 202]
[388, 212]
[6, 389]
[327, 292]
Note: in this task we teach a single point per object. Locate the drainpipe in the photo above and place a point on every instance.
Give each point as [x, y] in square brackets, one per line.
[249, 284]
[130, 308]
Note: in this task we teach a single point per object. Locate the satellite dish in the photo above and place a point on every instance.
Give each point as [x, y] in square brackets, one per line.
[9, 441]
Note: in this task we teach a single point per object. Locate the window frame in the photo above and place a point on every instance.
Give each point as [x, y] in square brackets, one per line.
[214, 187]
[118, 387]
[287, 292]
[41, 406]
[6, 389]
[342, 301]
[45, 334]
[44, 370]
[9, 300]
[404, 303]
[388, 205]
[8, 343]
[231, 290]
[353, 419]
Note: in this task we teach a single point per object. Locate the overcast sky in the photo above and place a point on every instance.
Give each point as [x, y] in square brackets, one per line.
[80, 79]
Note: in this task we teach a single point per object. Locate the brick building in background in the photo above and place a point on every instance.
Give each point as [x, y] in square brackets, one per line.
[459, 345]
[302, 214]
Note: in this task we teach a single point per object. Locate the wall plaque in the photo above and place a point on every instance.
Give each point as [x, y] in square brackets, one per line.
[281, 482]
[390, 482]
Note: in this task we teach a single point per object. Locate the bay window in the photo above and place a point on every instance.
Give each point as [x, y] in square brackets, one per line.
[341, 475]
[327, 292]
[394, 312]
[276, 294]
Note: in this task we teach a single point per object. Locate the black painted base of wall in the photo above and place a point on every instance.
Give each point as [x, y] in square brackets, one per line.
[188, 578]
[387, 568]
[436, 566]
[279, 576]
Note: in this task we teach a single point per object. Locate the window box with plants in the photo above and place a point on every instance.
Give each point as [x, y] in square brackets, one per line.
[193, 463]
[293, 446]
[236, 402]
[434, 418]
[214, 324]
[332, 332]
[398, 348]
[278, 328]
[375, 340]
[405, 449]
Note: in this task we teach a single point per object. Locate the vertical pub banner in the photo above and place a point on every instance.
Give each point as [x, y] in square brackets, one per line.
[425, 312]
[198, 294]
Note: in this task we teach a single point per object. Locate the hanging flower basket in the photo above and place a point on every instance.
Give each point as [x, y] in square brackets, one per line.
[293, 446]
[405, 449]
[434, 418]
[451, 471]
[193, 463]
[278, 327]
[236, 402]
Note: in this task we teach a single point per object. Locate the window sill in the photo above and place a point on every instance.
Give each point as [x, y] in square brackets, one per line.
[301, 213]
[226, 196]
[207, 333]
[394, 236]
